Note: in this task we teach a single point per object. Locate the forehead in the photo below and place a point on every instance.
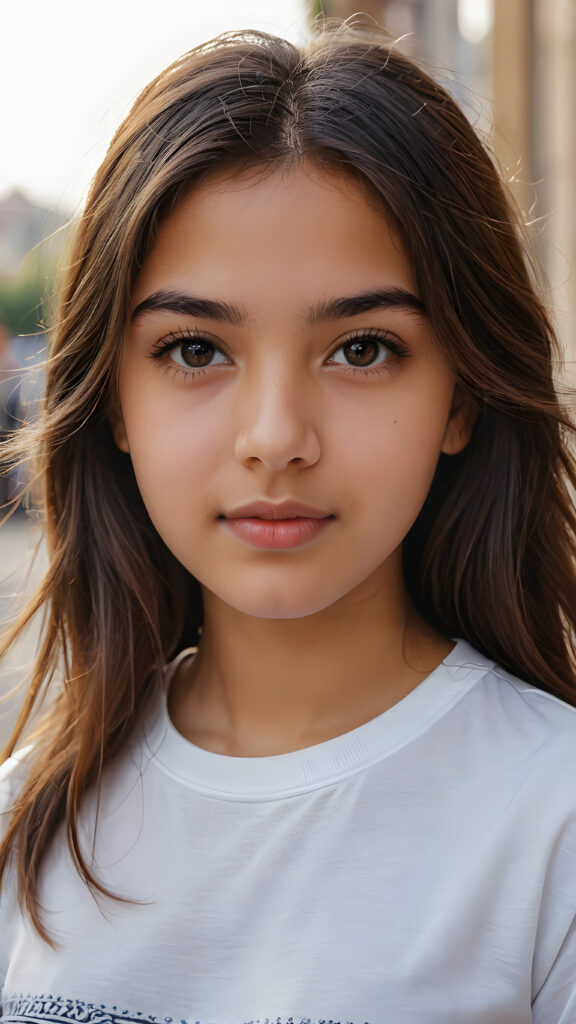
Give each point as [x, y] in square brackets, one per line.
[310, 226]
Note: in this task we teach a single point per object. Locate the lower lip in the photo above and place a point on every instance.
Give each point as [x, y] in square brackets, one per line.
[276, 534]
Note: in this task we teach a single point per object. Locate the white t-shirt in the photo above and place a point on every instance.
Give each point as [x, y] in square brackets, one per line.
[420, 869]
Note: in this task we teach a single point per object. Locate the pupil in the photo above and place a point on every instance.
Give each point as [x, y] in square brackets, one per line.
[361, 353]
[197, 353]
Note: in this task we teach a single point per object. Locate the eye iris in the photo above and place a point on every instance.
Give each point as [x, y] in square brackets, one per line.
[197, 353]
[361, 352]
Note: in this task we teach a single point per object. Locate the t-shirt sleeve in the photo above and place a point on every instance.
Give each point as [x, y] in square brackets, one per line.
[11, 774]
[554, 969]
[556, 1000]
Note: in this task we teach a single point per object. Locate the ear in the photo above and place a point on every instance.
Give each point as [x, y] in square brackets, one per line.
[459, 428]
[116, 421]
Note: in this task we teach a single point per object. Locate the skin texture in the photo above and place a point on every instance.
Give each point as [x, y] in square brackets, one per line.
[301, 644]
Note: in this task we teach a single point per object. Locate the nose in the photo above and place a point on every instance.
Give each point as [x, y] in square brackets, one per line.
[277, 426]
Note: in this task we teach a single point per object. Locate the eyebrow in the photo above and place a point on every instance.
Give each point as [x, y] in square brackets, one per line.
[352, 305]
[229, 313]
[191, 305]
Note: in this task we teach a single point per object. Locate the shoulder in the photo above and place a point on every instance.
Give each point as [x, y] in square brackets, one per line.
[12, 776]
[515, 728]
[520, 704]
[532, 708]
[13, 773]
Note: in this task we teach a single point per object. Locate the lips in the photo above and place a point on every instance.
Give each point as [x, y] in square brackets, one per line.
[279, 510]
[286, 524]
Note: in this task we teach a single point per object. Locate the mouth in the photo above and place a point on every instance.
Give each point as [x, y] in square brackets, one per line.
[276, 527]
[283, 510]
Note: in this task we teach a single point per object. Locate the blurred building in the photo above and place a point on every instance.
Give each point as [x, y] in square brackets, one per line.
[25, 225]
[514, 64]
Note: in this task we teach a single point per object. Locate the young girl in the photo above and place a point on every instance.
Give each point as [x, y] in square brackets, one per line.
[301, 444]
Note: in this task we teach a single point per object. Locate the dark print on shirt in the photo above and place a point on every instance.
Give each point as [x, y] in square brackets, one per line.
[56, 1010]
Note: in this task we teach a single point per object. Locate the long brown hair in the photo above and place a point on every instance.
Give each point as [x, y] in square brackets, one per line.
[491, 556]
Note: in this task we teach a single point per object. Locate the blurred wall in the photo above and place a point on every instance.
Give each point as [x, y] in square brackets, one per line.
[553, 150]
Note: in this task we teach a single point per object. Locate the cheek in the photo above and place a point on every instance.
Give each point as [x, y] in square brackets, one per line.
[392, 452]
[174, 447]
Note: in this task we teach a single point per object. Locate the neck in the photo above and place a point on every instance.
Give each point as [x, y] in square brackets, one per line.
[259, 687]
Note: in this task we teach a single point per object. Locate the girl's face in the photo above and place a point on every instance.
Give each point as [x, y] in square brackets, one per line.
[278, 353]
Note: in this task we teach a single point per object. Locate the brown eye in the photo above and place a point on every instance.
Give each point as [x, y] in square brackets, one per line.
[366, 351]
[197, 353]
[361, 352]
[194, 353]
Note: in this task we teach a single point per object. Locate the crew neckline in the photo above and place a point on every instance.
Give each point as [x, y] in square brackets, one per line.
[299, 771]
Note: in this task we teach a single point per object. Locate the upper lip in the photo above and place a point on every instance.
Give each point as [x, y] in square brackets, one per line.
[279, 510]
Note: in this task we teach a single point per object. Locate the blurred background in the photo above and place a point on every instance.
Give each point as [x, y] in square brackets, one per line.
[70, 70]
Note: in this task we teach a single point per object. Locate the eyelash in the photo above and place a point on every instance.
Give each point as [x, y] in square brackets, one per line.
[384, 338]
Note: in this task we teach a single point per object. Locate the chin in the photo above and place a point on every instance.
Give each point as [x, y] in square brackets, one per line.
[278, 605]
